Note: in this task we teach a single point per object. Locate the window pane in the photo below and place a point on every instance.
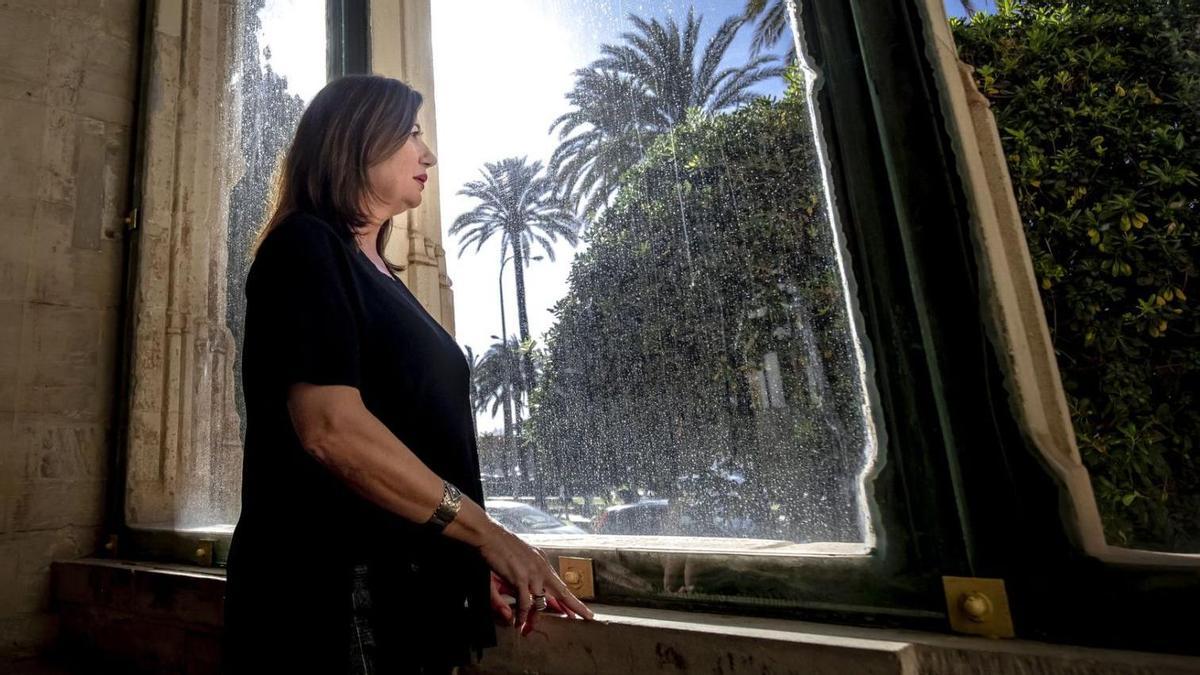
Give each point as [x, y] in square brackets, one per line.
[1099, 106]
[276, 65]
[679, 353]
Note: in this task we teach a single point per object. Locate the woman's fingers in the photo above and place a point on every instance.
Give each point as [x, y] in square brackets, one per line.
[556, 605]
[558, 595]
[530, 619]
[503, 584]
[568, 600]
[499, 604]
[528, 568]
[524, 603]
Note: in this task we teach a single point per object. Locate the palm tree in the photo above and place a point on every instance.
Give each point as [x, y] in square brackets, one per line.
[473, 365]
[518, 202]
[662, 59]
[772, 18]
[497, 379]
[606, 110]
[639, 89]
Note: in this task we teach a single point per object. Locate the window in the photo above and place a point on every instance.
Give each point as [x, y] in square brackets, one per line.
[773, 381]
[680, 338]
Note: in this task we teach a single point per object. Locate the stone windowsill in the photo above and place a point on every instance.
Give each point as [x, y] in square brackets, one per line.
[153, 615]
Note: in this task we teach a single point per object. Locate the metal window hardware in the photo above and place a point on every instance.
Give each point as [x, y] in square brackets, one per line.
[203, 554]
[978, 606]
[577, 574]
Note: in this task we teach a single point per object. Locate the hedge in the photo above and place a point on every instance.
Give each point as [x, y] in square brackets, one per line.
[1099, 103]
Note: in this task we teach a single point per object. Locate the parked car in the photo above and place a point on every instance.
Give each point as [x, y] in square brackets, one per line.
[647, 517]
[522, 518]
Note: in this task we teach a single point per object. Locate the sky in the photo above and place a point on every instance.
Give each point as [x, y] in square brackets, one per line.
[501, 72]
[292, 30]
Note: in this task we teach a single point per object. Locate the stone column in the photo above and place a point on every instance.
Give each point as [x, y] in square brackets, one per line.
[402, 47]
[182, 412]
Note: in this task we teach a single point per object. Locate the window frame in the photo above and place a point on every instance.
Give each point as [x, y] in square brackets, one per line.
[959, 490]
[348, 38]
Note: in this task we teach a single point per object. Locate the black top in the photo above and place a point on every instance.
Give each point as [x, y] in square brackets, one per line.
[318, 311]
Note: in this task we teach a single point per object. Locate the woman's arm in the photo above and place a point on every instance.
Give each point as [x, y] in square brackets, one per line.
[335, 426]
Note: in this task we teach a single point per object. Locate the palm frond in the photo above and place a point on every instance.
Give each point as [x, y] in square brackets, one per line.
[640, 87]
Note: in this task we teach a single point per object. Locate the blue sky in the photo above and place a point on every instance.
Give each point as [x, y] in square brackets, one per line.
[501, 70]
[955, 8]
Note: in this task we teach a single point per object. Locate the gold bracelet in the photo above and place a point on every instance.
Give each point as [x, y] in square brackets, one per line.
[447, 510]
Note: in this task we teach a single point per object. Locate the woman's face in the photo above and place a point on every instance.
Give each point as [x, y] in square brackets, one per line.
[400, 179]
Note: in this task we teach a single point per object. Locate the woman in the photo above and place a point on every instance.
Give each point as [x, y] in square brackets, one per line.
[355, 550]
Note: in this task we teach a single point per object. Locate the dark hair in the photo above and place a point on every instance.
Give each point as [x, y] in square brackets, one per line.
[353, 123]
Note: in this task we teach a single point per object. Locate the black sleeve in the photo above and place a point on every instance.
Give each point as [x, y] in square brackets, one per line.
[302, 285]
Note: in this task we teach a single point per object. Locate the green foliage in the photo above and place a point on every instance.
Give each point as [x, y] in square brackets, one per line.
[1099, 106]
[716, 252]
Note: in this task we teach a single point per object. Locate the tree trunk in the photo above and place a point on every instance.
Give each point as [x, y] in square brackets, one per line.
[506, 451]
[526, 362]
[523, 318]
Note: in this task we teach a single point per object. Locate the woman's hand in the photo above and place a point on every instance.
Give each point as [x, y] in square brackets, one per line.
[500, 608]
[503, 594]
[523, 571]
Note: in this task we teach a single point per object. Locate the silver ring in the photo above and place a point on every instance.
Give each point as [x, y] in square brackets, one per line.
[539, 602]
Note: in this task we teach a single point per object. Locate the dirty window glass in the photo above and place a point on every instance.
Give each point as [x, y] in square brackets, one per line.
[647, 276]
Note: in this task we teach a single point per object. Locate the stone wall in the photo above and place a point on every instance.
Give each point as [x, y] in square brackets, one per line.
[68, 80]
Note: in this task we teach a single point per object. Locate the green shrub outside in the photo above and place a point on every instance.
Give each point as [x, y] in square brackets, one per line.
[1098, 102]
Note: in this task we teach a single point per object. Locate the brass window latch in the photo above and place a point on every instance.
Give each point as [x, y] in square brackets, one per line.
[978, 606]
[204, 554]
[577, 574]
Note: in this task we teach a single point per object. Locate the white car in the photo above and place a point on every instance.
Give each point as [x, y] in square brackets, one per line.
[521, 518]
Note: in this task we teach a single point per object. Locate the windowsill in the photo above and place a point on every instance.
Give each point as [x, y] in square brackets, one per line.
[716, 545]
[635, 639]
[663, 544]
[112, 606]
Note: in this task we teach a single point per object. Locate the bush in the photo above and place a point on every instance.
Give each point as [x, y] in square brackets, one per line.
[1098, 103]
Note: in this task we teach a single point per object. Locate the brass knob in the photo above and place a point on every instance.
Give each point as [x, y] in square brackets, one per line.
[976, 606]
[572, 577]
[109, 546]
[200, 552]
